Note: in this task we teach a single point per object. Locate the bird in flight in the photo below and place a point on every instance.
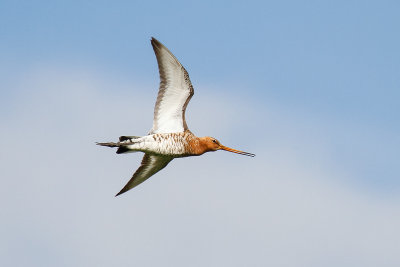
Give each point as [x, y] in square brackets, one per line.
[170, 137]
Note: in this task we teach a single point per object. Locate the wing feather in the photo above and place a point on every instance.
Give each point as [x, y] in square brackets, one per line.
[151, 164]
[174, 94]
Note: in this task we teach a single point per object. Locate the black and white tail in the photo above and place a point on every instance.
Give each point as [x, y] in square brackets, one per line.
[124, 141]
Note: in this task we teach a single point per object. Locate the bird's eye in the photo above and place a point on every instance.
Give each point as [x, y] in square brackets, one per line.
[214, 141]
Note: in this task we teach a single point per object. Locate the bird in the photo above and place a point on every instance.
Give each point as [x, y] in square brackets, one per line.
[170, 136]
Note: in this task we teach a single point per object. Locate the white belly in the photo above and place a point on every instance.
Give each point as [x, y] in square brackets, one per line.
[165, 144]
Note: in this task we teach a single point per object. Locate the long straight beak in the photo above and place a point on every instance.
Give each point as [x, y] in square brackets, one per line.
[236, 151]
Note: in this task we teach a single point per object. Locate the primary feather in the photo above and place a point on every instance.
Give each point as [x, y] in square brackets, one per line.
[174, 94]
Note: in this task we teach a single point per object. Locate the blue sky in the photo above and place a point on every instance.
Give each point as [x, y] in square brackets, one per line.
[311, 87]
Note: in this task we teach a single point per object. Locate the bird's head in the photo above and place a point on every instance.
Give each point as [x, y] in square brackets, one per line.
[212, 144]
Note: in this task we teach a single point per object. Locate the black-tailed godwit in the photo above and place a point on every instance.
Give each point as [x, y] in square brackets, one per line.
[170, 137]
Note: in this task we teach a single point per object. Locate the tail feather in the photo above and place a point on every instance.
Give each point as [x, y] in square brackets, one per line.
[124, 142]
[124, 138]
[109, 144]
[123, 149]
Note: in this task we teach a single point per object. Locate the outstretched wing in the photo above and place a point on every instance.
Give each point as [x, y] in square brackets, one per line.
[151, 164]
[174, 93]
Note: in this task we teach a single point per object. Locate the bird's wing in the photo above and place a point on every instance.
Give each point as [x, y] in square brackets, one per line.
[151, 164]
[174, 93]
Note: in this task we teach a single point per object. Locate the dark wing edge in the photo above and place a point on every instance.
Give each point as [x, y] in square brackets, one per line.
[166, 78]
[151, 164]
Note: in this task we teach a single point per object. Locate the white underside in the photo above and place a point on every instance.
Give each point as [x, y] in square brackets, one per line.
[163, 146]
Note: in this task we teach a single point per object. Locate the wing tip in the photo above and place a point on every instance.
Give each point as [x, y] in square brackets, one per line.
[123, 190]
[155, 42]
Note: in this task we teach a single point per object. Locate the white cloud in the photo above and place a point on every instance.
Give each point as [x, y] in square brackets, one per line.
[289, 206]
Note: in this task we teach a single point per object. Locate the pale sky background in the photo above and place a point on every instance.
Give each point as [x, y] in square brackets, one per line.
[311, 87]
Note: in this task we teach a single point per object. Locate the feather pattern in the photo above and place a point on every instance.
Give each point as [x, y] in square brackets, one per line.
[151, 164]
[171, 144]
[174, 93]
